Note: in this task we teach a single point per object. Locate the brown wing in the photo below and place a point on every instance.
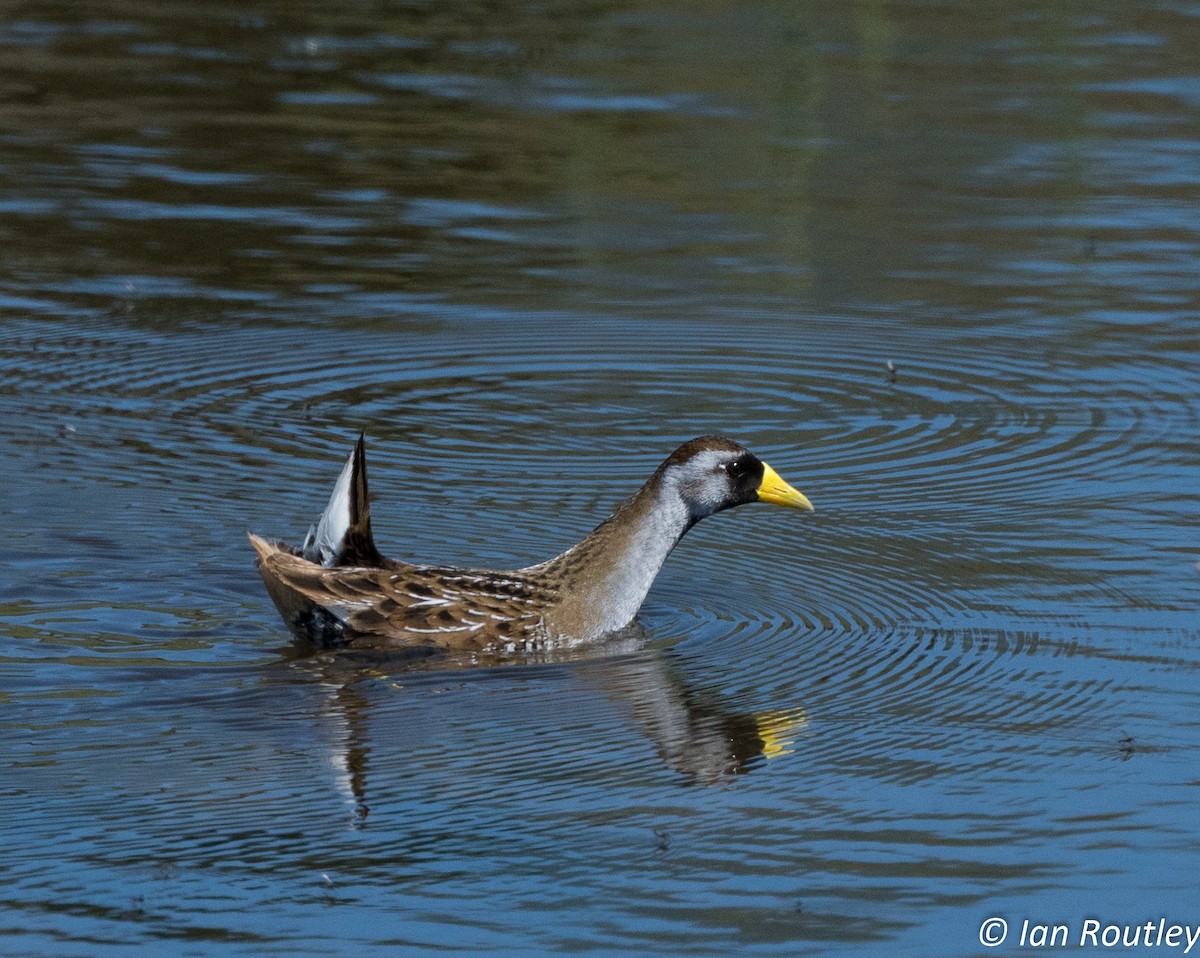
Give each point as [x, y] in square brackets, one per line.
[402, 604]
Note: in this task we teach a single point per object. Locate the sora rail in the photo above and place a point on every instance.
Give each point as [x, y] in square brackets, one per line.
[337, 589]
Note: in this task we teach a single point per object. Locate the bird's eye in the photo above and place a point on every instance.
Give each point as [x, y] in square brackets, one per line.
[735, 469]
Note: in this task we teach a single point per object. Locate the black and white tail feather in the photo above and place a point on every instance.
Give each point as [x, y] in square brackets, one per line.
[342, 536]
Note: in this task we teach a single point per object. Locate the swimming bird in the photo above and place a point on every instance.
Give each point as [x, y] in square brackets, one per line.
[338, 590]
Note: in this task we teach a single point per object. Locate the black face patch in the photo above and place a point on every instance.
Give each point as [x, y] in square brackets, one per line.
[745, 476]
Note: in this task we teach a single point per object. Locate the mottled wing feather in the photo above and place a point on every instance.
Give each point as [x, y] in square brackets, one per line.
[405, 604]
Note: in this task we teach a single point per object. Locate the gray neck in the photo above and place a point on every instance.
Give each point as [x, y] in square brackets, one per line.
[606, 577]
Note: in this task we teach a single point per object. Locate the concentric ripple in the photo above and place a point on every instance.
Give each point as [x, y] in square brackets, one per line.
[938, 270]
[932, 478]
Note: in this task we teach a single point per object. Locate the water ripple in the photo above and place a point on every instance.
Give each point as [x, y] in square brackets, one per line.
[557, 436]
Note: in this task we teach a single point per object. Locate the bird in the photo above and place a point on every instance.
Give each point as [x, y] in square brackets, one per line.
[337, 590]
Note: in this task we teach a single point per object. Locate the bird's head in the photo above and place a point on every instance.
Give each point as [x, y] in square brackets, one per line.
[712, 474]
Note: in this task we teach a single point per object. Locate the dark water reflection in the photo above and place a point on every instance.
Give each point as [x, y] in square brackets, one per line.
[936, 263]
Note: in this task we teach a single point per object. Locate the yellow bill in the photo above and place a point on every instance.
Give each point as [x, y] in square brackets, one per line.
[774, 489]
[778, 730]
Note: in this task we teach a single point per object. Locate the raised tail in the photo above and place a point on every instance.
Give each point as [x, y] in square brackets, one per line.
[342, 536]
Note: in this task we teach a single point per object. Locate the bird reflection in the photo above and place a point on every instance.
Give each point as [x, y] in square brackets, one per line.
[696, 730]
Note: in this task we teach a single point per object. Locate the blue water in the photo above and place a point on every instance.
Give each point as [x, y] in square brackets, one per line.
[935, 263]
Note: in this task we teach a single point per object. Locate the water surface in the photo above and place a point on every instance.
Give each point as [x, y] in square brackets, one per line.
[936, 263]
